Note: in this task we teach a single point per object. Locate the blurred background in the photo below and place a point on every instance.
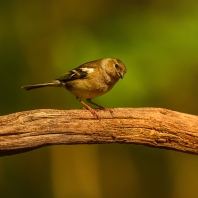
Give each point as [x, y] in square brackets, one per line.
[158, 42]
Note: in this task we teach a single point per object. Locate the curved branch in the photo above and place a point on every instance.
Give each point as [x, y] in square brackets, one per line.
[155, 127]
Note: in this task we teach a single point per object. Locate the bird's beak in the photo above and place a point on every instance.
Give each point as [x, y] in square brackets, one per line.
[121, 75]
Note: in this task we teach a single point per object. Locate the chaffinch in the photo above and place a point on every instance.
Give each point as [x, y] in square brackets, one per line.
[90, 80]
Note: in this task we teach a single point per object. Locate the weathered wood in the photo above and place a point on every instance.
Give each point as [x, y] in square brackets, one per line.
[155, 127]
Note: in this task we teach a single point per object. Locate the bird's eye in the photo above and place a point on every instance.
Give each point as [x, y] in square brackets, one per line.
[116, 66]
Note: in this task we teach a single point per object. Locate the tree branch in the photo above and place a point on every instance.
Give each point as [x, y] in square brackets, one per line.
[155, 127]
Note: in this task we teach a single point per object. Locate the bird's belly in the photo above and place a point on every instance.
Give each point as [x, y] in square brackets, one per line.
[86, 90]
[86, 93]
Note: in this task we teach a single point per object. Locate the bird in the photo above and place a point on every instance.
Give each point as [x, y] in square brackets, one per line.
[89, 80]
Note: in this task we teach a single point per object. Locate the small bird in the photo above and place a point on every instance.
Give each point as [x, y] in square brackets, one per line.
[89, 80]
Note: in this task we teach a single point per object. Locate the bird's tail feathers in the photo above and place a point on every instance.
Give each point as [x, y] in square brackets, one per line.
[55, 83]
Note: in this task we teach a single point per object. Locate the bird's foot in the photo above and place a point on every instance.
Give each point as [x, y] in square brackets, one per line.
[106, 109]
[93, 111]
[110, 110]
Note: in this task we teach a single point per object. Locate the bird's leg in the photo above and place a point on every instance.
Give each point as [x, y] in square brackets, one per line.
[100, 107]
[88, 108]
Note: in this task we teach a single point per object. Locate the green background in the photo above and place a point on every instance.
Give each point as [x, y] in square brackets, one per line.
[158, 42]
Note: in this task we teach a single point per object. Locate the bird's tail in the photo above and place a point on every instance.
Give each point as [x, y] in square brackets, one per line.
[55, 83]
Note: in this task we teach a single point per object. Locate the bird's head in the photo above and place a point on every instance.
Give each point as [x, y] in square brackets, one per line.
[113, 67]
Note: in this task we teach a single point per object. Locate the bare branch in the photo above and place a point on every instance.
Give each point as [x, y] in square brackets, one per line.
[155, 127]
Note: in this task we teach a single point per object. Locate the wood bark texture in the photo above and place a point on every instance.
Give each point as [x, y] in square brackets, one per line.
[155, 127]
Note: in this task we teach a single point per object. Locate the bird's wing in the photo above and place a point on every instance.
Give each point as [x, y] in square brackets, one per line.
[72, 75]
[80, 72]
